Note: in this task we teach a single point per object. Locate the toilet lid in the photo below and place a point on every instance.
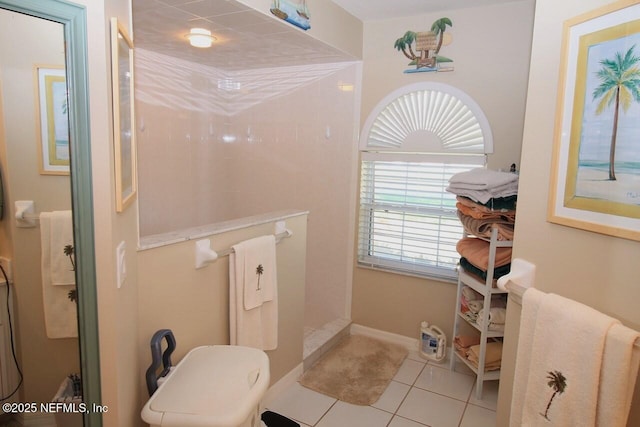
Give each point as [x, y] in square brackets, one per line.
[212, 385]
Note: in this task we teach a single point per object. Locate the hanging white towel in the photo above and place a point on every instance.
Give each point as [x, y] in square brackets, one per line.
[618, 376]
[60, 313]
[256, 326]
[530, 305]
[559, 366]
[61, 236]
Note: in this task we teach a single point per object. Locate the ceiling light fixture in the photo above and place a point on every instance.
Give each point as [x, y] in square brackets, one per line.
[199, 37]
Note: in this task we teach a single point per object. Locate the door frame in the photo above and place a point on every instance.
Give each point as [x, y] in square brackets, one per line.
[74, 21]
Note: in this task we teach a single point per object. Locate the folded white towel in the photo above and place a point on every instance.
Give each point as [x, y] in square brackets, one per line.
[60, 313]
[561, 346]
[61, 235]
[482, 179]
[484, 195]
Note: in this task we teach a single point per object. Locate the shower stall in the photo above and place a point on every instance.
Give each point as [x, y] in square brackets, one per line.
[229, 135]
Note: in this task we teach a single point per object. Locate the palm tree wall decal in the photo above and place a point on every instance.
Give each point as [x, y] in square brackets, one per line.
[558, 383]
[619, 85]
[439, 28]
[403, 44]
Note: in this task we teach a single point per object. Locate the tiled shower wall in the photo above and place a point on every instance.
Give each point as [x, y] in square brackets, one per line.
[214, 146]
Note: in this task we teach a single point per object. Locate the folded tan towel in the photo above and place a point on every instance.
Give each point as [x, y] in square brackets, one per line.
[466, 341]
[493, 352]
[493, 355]
[482, 227]
[476, 251]
[478, 211]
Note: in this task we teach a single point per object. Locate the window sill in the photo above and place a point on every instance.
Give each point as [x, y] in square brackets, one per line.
[365, 266]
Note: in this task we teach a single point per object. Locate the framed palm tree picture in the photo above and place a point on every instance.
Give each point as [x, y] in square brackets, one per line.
[595, 181]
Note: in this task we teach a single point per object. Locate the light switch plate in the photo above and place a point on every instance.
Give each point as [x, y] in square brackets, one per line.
[121, 264]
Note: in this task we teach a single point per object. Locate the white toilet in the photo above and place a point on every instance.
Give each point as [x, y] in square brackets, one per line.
[212, 386]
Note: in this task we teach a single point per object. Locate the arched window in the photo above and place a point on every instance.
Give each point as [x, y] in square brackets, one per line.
[414, 140]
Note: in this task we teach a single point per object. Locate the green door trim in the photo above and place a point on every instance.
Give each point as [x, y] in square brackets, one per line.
[74, 20]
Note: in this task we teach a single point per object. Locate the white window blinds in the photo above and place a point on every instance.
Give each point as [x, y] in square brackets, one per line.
[413, 141]
[408, 222]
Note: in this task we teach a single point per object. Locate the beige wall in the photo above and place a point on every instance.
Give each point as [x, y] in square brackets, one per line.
[490, 49]
[44, 362]
[194, 304]
[594, 269]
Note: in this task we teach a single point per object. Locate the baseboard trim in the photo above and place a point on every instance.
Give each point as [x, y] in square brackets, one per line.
[408, 343]
[281, 385]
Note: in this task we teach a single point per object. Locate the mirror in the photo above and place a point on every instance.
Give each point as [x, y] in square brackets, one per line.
[123, 117]
[73, 20]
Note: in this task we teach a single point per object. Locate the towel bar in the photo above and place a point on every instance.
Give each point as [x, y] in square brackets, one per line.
[205, 255]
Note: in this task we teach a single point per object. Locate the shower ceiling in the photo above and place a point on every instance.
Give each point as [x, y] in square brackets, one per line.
[246, 38]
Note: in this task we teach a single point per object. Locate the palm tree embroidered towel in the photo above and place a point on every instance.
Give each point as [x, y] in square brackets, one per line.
[558, 380]
[253, 283]
[60, 313]
[61, 235]
[257, 260]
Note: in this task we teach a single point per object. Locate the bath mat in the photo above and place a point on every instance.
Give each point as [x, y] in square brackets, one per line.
[357, 370]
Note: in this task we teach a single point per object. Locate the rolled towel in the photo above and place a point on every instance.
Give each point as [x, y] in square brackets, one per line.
[475, 306]
[470, 294]
[464, 306]
[497, 316]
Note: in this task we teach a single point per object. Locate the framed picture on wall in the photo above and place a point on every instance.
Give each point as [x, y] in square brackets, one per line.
[53, 120]
[123, 116]
[595, 181]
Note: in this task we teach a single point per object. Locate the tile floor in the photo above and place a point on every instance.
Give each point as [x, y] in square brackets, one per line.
[421, 394]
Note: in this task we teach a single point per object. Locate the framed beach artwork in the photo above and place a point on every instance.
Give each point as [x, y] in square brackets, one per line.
[123, 116]
[595, 181]
[53, 121]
